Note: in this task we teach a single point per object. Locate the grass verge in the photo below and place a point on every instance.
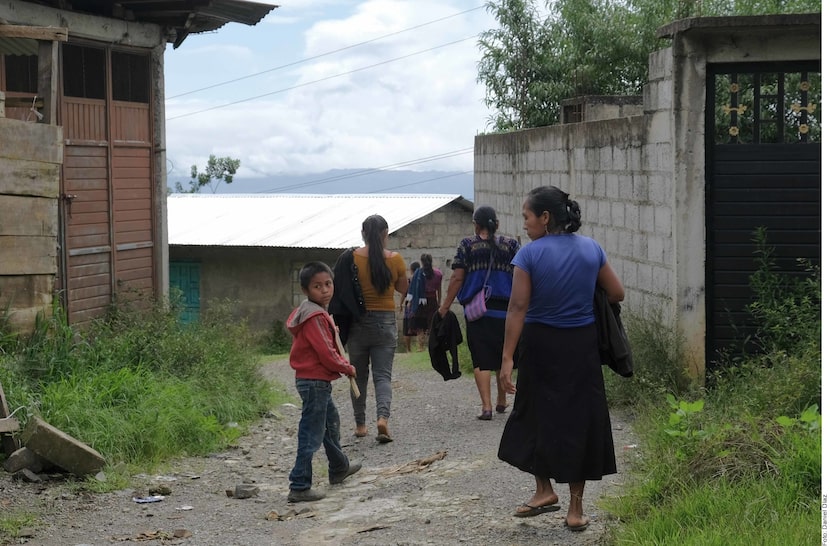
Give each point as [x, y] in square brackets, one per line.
[139, 387]
[739, 461]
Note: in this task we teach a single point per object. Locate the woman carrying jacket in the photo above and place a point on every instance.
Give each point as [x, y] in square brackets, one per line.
[559, 428]
[485, 336]
[376, 274]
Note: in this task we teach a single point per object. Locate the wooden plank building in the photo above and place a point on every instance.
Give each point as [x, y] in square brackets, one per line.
[83, 183]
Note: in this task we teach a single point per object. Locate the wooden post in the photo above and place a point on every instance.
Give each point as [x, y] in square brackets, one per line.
[352, 381]
[8, 441]
[47, 84]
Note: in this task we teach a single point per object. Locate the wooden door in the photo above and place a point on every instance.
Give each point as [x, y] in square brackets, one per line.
[107, 193]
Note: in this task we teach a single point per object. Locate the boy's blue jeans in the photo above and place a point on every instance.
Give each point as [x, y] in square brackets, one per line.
[319, 424]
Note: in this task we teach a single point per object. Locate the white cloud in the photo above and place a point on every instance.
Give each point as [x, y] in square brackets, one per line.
[297, 10]
[424, 105]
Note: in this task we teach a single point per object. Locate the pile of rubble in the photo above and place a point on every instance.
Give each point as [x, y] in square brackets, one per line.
[44, 448]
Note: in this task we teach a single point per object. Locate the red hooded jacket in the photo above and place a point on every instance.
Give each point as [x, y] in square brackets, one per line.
[314, 353]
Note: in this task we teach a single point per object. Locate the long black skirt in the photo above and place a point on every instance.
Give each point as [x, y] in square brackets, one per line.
[485, 338]
[559, 427]
[422, 321]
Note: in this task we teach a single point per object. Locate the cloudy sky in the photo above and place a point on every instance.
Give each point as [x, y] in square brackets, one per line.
[331, 84]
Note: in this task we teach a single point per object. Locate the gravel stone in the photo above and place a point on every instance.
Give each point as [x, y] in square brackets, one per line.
[439, 482]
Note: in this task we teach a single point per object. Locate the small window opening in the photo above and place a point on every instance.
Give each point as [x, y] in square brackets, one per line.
[21, 73]
[84, 72]
[130, 77]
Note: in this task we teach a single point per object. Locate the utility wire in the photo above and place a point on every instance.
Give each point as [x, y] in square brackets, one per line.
[240, 101]
[332, 52]
[374, 170]
[423, 181]
[363, 172]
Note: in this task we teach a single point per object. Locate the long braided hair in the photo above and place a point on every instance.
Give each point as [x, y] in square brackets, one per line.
[485, 217]
[374, 228]
[426, 265]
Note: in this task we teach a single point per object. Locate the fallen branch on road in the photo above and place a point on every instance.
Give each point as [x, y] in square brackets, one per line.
[416, 465]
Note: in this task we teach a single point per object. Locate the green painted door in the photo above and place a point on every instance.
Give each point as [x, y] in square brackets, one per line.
[184, 278]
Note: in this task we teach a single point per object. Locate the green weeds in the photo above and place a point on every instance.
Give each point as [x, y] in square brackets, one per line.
[277, 339]
[11, 524]
[739, 462]
[139, 387]
[658, 363]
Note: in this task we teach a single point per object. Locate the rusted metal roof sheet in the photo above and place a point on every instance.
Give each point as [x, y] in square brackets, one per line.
[292, 221]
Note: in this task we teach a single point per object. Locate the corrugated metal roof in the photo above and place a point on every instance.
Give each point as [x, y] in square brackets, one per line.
[292, 221]
[18, 46]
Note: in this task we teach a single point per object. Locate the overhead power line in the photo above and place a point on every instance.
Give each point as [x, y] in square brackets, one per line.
[427, 159]
[423, 181]
[240, 101]
[332, 52]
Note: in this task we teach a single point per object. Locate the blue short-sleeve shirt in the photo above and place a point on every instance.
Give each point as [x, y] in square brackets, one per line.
[563, 269]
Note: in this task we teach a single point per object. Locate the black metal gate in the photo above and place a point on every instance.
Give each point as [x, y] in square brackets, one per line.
[763, 165]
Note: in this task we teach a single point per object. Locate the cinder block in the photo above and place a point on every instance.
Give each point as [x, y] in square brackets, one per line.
[61, 449]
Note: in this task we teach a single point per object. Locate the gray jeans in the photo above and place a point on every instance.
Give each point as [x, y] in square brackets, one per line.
[373, 341]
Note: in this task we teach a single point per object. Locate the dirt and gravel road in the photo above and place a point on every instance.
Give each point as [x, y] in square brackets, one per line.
[438, 482]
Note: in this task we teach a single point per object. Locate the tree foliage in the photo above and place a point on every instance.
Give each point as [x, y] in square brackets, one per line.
[216, 170]
[514, 66]
[530, 62]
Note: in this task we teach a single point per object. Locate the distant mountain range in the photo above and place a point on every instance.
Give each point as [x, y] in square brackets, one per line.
[351, 181]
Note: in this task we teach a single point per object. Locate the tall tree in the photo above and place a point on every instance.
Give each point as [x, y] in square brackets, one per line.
[216, 170]
[529, 64]
[514, 66]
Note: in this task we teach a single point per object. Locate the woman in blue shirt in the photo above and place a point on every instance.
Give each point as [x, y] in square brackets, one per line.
[559, 428]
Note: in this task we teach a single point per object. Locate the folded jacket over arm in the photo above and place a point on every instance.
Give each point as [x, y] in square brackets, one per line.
[445, 335]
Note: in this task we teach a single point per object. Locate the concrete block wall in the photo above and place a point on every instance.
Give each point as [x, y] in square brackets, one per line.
[437, 234]
[657, 176]
[259, 283]
[621, 173]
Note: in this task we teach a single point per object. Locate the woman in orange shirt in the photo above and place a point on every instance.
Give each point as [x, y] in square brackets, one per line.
[373, 338]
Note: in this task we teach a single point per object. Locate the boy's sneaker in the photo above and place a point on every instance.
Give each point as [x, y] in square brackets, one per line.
[306, 495]
[338, 478]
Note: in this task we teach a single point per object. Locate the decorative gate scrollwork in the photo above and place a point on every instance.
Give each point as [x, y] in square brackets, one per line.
[758, 107]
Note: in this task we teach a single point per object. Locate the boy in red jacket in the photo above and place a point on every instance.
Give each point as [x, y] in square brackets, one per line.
[317, 361]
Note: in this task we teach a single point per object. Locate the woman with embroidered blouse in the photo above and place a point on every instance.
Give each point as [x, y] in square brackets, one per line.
[484, 257]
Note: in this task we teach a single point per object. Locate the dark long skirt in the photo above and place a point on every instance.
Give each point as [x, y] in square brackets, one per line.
[559, 427]
[422, 321]
[485, 338]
